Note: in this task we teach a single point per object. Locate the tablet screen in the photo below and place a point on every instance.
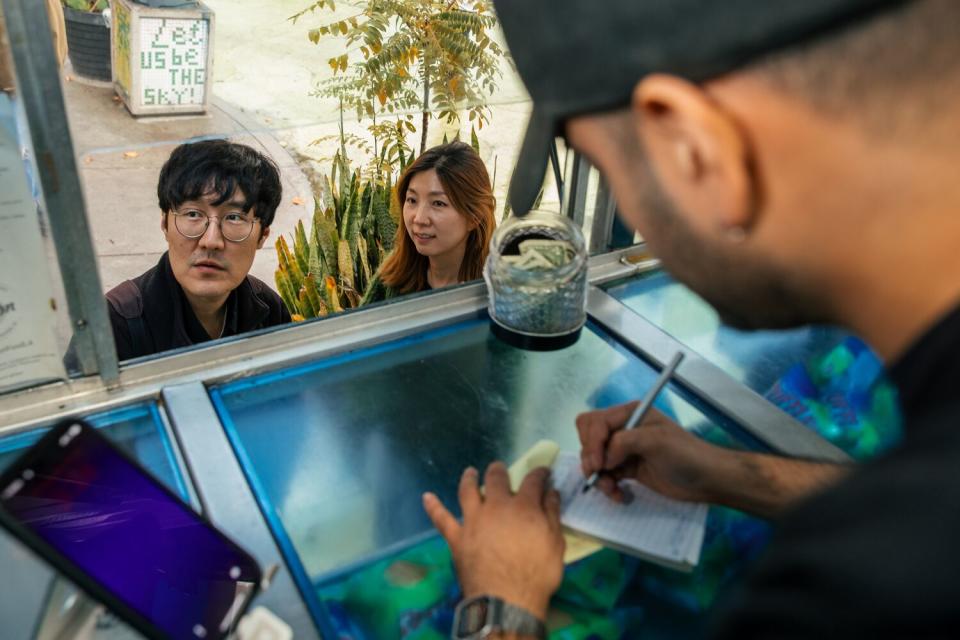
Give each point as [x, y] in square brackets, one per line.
[125, 531]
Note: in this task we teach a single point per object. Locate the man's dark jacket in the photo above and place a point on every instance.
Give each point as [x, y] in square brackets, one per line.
[150, 313]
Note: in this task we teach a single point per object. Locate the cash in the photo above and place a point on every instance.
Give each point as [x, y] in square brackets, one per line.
[537, 254]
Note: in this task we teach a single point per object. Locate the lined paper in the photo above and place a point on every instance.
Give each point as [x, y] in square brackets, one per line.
[651, 525]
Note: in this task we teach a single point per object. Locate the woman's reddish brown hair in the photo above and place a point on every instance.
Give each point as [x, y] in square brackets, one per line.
[466, 182]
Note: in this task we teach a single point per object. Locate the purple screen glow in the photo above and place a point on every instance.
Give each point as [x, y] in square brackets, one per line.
[145, 546]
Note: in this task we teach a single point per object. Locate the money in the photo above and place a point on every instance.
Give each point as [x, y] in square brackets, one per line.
[530, 261]
[538, 254]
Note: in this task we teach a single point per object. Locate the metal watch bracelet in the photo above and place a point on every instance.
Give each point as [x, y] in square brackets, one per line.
[482, 616]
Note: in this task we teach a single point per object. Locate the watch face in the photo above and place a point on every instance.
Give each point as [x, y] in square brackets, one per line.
[473, 617]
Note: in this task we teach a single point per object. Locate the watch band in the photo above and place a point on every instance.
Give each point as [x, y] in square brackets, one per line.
[517, 620]
[481, 616]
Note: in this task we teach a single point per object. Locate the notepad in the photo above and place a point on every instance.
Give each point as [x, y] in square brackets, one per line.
[543, 454]
[651, 526]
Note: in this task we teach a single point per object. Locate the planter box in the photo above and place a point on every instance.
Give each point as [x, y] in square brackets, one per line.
[162, 57]
[88, 44]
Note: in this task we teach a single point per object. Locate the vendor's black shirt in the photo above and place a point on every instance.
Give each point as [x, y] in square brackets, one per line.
[156, 300]
[878, 555]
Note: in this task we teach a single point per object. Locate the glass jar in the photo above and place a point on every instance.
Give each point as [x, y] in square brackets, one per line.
[543, 308]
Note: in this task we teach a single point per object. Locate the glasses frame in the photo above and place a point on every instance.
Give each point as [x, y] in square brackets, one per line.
[177, 215]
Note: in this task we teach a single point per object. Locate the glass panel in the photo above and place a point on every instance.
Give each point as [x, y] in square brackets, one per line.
[301, 94]
[138, 430]
[40, 593]
[822, 376]
[755, 358]
[280, 94]
[340, 451]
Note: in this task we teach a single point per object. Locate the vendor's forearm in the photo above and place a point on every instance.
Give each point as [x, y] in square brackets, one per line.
[765, 485]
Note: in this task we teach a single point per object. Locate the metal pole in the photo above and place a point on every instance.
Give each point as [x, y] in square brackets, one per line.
[574, 203]
[604, 215]
[38, 86]
[557, 172]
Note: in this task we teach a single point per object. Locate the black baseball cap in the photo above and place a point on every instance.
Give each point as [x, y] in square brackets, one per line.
[583, 56]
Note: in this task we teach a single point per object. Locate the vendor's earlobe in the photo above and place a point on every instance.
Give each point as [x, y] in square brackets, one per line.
[736, 233]
[687, 159]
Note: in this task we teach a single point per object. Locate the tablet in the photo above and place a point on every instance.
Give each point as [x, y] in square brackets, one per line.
[102, 520]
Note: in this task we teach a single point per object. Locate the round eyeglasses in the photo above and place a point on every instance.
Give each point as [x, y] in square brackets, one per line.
[233, 226]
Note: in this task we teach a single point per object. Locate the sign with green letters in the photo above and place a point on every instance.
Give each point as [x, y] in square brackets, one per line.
[162, 57]
[173, 61]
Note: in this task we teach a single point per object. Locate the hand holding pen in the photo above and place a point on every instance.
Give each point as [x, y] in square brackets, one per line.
[599, 428]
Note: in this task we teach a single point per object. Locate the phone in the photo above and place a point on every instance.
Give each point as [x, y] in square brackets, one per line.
[102, 520]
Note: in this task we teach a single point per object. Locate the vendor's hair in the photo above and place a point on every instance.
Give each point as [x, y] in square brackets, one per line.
[466, 182]
[219, 167]
[896, 70]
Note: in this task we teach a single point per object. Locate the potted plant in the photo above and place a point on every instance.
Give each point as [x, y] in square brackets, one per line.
[88, 38]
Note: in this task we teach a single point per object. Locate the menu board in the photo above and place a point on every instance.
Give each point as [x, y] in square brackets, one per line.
[29, 351]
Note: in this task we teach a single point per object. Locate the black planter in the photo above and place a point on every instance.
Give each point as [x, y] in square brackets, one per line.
[88, 44]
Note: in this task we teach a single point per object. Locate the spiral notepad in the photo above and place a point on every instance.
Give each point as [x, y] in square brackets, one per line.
[651, 526]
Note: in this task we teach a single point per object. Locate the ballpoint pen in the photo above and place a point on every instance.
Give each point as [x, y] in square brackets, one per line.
[644, 407]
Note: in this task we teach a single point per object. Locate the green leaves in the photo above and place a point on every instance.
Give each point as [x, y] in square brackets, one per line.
[400, 57]
[338, 64]
[474, 140]
[404, 44]
[350, 216]
[324, 242]
[91, 6]
[320, 4]
[352, 230]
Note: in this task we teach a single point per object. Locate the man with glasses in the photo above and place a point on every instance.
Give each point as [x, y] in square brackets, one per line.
[217, 200]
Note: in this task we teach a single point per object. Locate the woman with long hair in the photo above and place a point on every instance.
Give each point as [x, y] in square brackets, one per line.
[447, 204]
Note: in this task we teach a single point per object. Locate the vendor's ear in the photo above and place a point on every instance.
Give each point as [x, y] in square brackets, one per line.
[163, 221]
[264, 234]
[697, 151]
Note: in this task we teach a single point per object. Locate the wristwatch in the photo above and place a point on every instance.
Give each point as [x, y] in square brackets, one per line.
[481, 616]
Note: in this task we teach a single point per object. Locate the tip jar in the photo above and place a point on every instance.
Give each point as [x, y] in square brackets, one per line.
[536, 274]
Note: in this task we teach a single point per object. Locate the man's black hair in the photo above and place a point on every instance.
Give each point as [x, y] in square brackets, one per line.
[899, 68]
[220, 167]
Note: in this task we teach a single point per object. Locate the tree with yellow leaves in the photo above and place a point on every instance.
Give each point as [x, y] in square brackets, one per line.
[413, 55]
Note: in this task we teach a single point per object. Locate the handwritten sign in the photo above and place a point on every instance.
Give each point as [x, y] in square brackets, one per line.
[173, 61]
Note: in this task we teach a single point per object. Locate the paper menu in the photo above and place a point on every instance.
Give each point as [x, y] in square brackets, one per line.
[651, 526]
[29, 350]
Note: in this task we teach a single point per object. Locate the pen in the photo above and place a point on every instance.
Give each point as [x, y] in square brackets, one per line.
[644, 407]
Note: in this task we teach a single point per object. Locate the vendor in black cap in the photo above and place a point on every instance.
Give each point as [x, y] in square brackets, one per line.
[792, 162]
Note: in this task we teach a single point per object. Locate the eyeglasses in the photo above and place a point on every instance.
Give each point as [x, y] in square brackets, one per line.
[193, 224]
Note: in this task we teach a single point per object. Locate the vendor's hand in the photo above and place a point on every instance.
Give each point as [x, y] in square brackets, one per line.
[658, 453]
[509, 546]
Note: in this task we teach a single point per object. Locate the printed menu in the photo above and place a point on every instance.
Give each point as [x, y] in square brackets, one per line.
[29, 351]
